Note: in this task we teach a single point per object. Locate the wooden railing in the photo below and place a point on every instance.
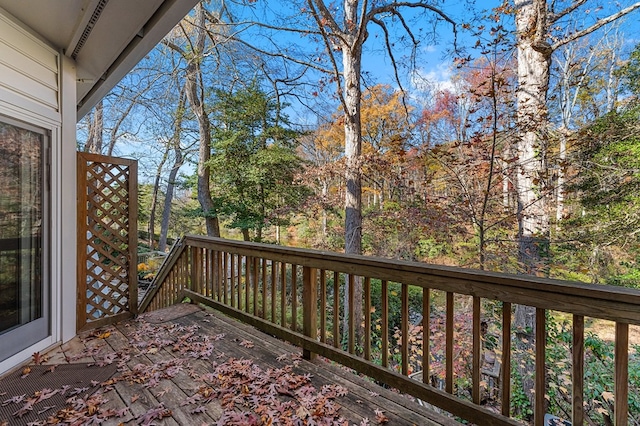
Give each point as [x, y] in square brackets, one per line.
[295, 294]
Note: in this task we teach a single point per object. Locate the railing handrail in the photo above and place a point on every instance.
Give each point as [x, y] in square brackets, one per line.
[593, 300]
[167, 264]
[238, 277]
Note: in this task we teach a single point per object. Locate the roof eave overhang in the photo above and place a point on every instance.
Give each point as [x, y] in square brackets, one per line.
[160, 23]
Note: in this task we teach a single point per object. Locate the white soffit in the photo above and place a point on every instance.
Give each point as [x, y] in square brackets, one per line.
[107, 38]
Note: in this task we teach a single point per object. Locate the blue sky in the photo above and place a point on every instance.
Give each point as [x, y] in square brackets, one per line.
[433, 65]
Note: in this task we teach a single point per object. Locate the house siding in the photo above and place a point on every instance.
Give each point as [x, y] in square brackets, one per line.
[29, 68]
[38, 86]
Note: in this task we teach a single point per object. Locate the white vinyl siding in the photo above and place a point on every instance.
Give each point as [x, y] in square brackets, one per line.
[28, 67]
[38, 88]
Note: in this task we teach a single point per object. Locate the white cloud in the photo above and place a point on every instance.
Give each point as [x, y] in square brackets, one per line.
[432, 80]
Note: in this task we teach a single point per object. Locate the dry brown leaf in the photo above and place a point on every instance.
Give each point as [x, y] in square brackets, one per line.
[26, 371]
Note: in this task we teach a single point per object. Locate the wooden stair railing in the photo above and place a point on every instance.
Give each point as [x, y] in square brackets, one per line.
[294, 294]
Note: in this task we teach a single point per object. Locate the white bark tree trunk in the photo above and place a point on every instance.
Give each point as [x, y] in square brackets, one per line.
[96, 128]
[534, 58]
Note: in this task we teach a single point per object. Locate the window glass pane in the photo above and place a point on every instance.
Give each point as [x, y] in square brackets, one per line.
[21, 220]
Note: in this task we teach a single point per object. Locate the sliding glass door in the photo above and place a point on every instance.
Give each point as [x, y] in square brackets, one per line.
[24, 230]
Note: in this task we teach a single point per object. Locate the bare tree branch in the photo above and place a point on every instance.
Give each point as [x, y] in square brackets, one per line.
[601, 23]
[391, 7]
[327, 18]
[554, 17]
[328, 47]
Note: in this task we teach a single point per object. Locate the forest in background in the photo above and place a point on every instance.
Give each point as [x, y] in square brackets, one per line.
[326, 126]
[239, 127]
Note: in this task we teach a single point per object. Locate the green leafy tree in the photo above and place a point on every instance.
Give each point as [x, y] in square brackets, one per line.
[607, 220]
[630, 73]
[254, 165]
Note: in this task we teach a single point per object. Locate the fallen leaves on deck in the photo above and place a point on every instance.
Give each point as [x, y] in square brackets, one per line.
[248, 394]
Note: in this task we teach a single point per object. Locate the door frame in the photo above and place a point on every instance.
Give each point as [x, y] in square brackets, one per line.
[26, 335]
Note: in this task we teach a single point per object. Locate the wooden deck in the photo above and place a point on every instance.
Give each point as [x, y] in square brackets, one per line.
[188, 366]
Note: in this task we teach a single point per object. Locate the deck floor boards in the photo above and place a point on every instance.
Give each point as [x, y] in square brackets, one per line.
[166, 359]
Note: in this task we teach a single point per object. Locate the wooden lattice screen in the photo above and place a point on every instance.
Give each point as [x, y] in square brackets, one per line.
[107, 240]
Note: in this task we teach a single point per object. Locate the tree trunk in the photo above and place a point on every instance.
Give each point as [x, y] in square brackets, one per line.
[154, 200]
[562, 158]
[195, 95]
[96, 128]
[534, 58]
[178, 161]
[353, 152]
[351, 62]
[171, 184]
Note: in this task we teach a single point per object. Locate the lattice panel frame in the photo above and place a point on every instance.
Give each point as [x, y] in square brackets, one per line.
[107, 240]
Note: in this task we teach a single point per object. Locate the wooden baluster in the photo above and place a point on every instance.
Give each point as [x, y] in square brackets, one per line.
[187, 267]
[239, 265]
[323, 306]
[352, 313]
[577, 371]
[404, 324]
[212, 272]
[448, 385]
[309, 307]
[283, 294]
[367, 318]
[248, 265]
[205, 276]
[255, 274]
[206, 284]
[273, 290]
[263, 290]
[199, 270]
[426, 333]
[621, 379]
[477, 346]
[294, 297]
[505, 366]
[336, 310]
[233, 280]
[203, 271]
[225, 278]
[213, 269]
[222, 265]
[540, 380]
[160, 295]
[385, 323]
[216, 272]
[218, 264]
[179, 280]
[193, 279]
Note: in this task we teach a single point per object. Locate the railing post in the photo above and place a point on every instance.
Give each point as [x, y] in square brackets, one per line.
[621, 378]
[310, 307]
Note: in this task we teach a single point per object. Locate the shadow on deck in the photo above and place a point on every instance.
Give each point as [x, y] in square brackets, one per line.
[188, 366]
